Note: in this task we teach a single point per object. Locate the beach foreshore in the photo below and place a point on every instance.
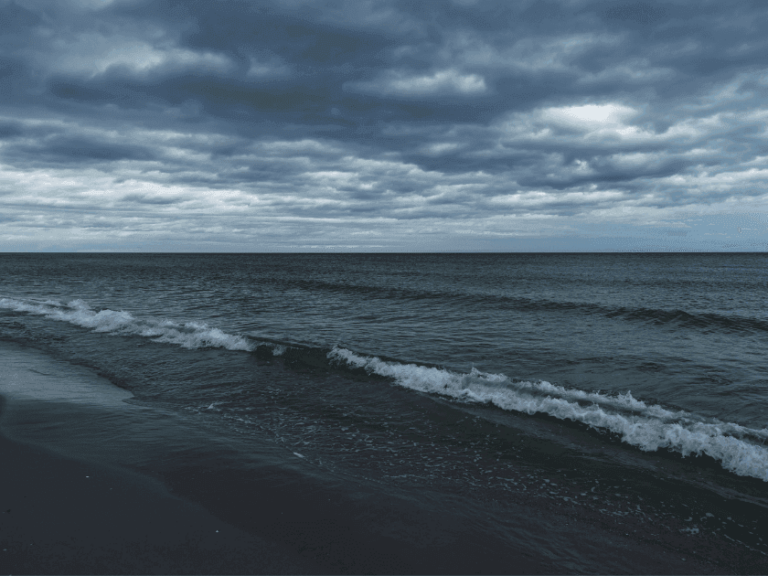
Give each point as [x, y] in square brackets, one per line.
[64, 516]
[61, 514]
[92, 484]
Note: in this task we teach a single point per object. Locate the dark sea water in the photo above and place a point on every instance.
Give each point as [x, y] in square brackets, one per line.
[577, 407]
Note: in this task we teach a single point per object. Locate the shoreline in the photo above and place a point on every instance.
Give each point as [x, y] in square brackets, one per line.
[156, 496]
[65, 513]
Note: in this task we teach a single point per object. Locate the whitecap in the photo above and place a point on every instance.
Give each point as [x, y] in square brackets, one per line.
[648, 427]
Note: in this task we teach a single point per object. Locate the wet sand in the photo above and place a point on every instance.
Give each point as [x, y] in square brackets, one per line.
[63, 516]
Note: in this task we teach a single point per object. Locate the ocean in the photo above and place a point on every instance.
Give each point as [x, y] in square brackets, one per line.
[491, 413]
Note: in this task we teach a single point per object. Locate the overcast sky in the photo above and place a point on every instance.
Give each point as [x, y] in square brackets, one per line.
[383, 126]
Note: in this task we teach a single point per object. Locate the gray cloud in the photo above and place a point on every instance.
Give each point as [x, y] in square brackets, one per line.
[380, 125]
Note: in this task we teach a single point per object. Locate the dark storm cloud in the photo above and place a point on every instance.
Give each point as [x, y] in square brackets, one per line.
[381, 119]
[67, 149]
[10, 130]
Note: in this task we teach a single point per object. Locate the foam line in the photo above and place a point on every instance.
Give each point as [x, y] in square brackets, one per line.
[648, 427]
[185, 334]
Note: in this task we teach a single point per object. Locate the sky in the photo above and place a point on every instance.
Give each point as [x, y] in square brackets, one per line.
[388, 126]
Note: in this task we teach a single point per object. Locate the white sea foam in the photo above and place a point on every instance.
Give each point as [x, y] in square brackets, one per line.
[648, 427]
[185, 334]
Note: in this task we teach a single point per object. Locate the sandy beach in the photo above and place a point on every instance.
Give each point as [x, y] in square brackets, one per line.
[65, 515]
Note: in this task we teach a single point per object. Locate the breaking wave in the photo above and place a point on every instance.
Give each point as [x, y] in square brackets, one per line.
[648, 427]
[186, 334]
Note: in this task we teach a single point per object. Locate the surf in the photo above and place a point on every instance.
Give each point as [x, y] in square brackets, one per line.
[738, 449]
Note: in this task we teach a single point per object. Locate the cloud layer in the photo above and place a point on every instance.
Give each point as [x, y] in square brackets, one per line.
[257, 126]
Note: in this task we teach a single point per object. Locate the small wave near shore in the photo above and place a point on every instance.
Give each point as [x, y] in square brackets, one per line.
[649, 427]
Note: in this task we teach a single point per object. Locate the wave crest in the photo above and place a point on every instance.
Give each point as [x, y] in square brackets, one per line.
[185, 334]
[647, 427]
